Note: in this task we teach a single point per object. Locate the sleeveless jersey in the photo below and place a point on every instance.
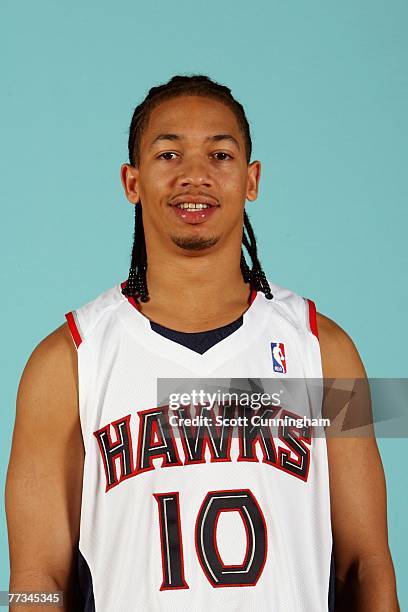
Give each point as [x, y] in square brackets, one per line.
[183, 517]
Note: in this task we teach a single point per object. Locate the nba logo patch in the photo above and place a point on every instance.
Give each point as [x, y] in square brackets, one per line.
[278, 357]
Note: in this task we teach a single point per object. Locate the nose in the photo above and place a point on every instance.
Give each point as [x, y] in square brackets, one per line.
[196, 172]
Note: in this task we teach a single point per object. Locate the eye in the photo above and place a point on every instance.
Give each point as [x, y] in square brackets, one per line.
[223, 153]
[167, 153]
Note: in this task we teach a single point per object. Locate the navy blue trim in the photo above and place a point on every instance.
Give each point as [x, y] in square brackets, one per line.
[199, 342]
[85, 594]
[332, 583]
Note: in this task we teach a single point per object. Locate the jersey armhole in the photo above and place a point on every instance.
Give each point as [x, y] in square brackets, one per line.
[312, 317]
[74, 327]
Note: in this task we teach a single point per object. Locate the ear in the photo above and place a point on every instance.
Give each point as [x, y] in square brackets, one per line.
[129, 176]
[254, 175]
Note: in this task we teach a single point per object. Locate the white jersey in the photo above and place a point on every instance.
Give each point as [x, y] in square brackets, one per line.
[196, 516]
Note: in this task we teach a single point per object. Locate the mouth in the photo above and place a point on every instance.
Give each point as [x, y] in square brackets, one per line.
[194, 210]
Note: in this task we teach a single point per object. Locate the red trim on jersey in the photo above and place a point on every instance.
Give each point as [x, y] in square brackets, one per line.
[313, 318]
[252, 296]
[131, 299]
[76, 336]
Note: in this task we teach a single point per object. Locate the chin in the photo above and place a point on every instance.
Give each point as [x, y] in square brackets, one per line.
[194, 243]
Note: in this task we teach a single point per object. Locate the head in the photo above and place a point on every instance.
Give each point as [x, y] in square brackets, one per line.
[190, 142]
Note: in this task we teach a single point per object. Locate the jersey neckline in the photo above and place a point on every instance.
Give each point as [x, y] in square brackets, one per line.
[252, 324]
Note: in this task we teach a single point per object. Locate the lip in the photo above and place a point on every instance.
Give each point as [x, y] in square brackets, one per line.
[194, 217]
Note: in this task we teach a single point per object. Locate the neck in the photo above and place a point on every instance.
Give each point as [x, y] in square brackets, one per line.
[195, 292]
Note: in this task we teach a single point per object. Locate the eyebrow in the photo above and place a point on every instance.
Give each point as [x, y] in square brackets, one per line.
[179, 137]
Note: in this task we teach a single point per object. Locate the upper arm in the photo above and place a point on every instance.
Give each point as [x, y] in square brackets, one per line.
[44, 478]
[357, 482]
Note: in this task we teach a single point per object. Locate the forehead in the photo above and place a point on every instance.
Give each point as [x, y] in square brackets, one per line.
[194, 116]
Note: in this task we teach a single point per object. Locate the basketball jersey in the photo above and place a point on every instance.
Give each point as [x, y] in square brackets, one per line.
[182, 518]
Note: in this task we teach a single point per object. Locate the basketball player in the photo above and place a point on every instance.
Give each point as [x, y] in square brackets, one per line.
[103, 494]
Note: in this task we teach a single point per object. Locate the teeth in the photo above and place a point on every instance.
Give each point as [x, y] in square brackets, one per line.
[192, 206]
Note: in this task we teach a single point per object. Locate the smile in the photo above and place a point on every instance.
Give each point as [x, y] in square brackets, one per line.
[194, 213]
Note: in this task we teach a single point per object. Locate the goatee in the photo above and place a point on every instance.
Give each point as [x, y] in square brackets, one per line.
[194, 244]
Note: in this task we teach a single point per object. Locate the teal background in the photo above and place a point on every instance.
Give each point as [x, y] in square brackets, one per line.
[324, 85]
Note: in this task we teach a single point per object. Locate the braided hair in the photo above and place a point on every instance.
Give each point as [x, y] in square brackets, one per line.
[196, 85]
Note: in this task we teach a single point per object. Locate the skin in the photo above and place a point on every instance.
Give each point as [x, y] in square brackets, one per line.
[44, 479]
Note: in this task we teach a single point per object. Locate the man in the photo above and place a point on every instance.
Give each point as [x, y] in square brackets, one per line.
[255, 523]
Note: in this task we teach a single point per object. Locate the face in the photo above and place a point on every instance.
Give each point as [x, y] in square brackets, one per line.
[193, 177]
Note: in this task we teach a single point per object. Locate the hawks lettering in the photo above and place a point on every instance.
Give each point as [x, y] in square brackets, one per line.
[161, 444]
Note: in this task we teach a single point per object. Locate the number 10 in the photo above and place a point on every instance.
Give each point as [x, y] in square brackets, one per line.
[218, 574]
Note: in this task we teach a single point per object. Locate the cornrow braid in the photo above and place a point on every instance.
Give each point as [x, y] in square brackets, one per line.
[196, 85]
[257, 276]
[136, 284]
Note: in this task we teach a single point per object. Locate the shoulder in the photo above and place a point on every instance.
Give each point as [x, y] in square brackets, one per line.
[51, 371]
[54, 348]
[340, 357]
